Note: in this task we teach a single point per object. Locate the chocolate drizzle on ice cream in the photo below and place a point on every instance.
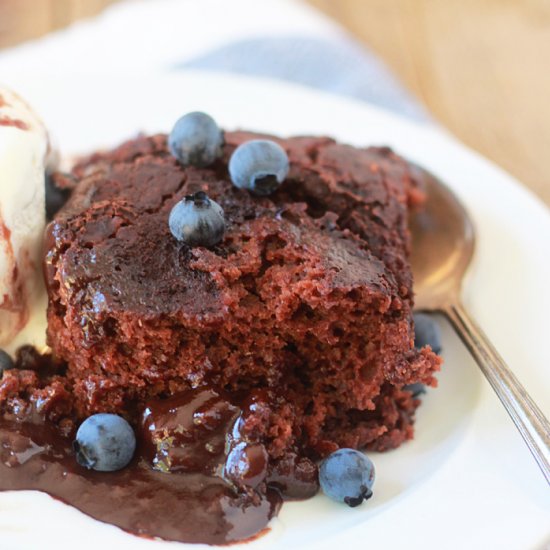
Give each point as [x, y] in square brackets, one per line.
[24, 155]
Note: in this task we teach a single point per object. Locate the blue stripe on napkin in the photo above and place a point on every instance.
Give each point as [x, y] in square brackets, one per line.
[338, 66]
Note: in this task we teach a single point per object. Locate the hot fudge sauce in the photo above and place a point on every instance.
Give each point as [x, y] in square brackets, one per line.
[194, 477]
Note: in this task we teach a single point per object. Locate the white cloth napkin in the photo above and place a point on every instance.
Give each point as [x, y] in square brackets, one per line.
[282, 39]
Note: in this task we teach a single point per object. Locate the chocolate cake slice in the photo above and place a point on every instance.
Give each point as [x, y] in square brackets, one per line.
[303, 311]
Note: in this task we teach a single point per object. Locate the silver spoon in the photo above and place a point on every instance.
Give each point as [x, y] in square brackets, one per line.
[442, 247]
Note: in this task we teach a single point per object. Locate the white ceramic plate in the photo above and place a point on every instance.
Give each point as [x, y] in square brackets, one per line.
[467, 480]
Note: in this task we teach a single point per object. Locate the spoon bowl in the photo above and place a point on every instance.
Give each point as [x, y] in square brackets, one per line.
[443, 241]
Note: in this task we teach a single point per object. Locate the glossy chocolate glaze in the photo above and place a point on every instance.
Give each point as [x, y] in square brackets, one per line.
[197, 476]
[188, 435]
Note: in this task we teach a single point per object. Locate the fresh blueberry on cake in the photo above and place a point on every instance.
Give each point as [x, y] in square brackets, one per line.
[197, 220]
[196, 139]
[259, 165]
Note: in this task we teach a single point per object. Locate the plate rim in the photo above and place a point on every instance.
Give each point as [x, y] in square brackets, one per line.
[509, 185]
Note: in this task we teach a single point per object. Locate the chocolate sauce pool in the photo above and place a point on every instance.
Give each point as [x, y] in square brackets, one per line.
[193, 478]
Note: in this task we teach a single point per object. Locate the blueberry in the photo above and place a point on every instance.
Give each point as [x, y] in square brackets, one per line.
[347, 476]
[416, 389]
[426, 332]
[197, 220]
[196, 139]
[259, 165]
[6, 362]
[104, 442]
[56, 197]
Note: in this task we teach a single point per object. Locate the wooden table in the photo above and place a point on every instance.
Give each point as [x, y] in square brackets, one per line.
[482, 67]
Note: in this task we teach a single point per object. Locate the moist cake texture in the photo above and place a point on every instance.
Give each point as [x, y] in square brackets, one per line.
[304, 310]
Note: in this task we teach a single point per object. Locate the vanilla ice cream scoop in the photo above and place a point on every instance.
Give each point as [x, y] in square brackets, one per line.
[24, 154]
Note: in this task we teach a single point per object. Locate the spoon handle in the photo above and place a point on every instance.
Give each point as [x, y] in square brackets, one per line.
[528, 418]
